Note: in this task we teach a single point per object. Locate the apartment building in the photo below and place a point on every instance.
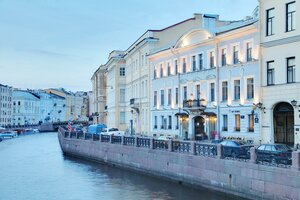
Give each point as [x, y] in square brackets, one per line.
[5, 105]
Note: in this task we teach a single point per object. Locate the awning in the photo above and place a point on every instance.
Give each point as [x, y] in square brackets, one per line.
[182, 114]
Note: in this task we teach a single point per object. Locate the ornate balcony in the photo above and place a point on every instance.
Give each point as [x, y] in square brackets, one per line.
[134, 104]
[196, 105]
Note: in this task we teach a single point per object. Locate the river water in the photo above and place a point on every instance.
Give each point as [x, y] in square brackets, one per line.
[32, 167]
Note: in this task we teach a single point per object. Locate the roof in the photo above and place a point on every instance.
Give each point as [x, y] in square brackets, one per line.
[22, 94]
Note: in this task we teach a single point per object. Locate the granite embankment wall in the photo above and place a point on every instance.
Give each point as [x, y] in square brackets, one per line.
[245, 179]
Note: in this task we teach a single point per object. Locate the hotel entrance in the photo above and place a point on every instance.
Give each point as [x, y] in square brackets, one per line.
[283, 120]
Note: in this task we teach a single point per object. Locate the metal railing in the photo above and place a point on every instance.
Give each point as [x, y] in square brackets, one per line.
[115, 139]
[160, 144]
[207, 150]
[181, 147]
[143, 142]
[105, 138]
[130, 141]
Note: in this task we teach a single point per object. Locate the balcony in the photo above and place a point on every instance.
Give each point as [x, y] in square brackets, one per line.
[134, 104]
[196, 104]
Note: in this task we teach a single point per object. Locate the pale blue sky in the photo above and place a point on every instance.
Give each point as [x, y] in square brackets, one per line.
[60, 43]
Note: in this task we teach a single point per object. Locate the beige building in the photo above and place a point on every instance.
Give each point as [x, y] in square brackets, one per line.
[5, 105]
[99, 91]
[280, 72]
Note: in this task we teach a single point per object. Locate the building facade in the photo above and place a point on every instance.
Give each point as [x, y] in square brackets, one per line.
[5, 105]
[280, 72]
[99, 91]
[206, 84]
[26, 107]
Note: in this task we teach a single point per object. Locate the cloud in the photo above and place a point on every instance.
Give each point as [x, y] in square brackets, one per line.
[46, 52]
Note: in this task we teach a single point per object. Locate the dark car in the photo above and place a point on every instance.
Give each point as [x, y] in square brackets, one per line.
[274, 153]
[235, 149]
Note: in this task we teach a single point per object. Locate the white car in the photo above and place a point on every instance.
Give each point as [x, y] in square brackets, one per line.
[112, 131]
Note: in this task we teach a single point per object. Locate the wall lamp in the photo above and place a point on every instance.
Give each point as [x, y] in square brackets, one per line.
[260, 106]
[294, 103]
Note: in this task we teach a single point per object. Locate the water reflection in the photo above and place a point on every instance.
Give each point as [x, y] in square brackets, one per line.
[33, 167]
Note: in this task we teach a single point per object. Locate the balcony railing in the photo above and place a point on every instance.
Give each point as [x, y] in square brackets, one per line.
[134, 103]
[194, 104]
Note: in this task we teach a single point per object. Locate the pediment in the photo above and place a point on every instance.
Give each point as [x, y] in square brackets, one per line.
[193, 37]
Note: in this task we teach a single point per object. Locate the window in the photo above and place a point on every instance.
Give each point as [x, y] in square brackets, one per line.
[212, 59]
[290, 70]
[200, 57]
[170, 122]
[162, 122]
[122, 95]
[270, 22]
[169, 96]
[155, 122]
[237, 122]
[249, 52]
[270, 73]
[177, 96]
[169, 69]
[237, 89]
[224, 91]
[291, 16]
[185, 93]
[161, 71]
[155, 74]
[194, 63]
[212, 92]
[155, 98]
[225, 123]
[176, 66]
[122, 71]
[122, 118]
[198, 88]
[251, 123]
[235, 55]
[250, 88]
[183, 65]
[162, 97]
[224, 57]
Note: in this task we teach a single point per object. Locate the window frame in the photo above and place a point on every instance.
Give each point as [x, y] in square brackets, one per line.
[270, 29]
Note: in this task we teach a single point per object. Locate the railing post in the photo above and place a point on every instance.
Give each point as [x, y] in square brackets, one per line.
[193, 149]
[99, 137]
[70, 134]
[122, 140]
[170, 145]
[296, 160]
[84, 135]
[136, 141]
[151, 143]
[219, 151]
[253, 155]
[111, 138]
[76, 135]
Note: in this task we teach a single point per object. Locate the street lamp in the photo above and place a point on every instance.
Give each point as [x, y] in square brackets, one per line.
[294, 103]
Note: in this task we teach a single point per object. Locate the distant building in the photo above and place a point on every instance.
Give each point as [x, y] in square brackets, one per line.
[91, 104]
[5, 105]
[26, 108]
[99, 90]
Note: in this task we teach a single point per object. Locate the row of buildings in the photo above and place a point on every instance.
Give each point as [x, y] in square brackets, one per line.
[206, 77]
[27, 107]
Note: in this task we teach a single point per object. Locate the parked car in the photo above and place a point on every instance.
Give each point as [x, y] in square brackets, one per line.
[235, 149]
[274, 153]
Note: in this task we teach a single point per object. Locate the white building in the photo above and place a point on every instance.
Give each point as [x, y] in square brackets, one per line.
[5, 105]
[26, 107]
[280, 42]
[207, 82]
[52, 107]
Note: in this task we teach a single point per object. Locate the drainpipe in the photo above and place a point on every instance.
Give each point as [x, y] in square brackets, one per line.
[218, 85]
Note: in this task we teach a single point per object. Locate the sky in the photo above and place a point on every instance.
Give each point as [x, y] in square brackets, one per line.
[60, 43]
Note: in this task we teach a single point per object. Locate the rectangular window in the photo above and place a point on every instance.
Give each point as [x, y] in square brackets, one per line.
[183, 65]
[249, 52]
[251, 123]
[122, 71]
[237, 122]
[169, 69]
[155, 98]
[225, 123]
[291, 16]
[162, 97]
[161, 70]
[170, 122]
[235, 55]
[155, 122]
[155, 74]
[194, 63]
[162, 122]
[169, 96]
[212, 59]
[212, 92]
[270, 73]
[122, 118]
[198, 88]
[237, 89]
[176, 66]
[290, 70]
[270, 22]
[250, 88]
[122, 95]
[200, 57]
[224, 62]
[185, 93]
[224, 91]
[177, 96]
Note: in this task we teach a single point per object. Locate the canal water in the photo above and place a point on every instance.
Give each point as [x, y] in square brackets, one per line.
[32, 167]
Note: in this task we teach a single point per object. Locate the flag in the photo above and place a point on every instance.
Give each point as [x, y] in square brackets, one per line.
[69, 126]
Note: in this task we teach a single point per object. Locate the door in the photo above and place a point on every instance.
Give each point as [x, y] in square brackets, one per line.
[199, 127]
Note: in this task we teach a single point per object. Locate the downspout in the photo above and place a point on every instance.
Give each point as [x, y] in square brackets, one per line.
[218, 86]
